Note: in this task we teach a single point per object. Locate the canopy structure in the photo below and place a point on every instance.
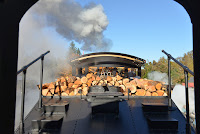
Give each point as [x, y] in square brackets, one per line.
[106, 59]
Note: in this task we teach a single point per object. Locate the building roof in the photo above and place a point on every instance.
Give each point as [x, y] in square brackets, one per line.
[108, 59]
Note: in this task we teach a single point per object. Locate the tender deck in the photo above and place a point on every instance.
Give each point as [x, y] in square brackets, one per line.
[131, 120]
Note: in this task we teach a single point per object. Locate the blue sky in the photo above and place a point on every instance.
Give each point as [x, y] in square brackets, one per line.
[144, 27]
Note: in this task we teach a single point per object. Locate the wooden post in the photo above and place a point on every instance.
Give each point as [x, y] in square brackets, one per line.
[139, 71]
[79, 72]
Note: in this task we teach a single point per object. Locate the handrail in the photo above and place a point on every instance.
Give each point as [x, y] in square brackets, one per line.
[24, 69]
[28, 65]
[179, 63]
[186, 71]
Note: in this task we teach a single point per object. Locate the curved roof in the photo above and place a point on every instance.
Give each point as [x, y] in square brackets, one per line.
[108, 59]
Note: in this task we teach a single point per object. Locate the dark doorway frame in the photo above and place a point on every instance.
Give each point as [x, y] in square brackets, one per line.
[11, 12]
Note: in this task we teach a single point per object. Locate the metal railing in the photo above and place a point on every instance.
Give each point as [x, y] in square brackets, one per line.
[23, 69]
[186, 71]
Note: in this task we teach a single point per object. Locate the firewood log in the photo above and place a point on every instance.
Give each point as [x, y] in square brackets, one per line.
[112, 83]
[94, 83]
[71, 93]
[123, 87]
[71, 79]
[51, 86]
[140, 92]
[75, 86]
[114, 79]
[46, 92]
[120, 82]
[154, 94]
[98, 78]
[160, 92]
[93, 77]
[89, 75]
[70, 85]
[109, 78]
[64, 94]
[151, 88]
[159, 86]
[148, 93]
[117, 83]
[63, 88]
[118, 77]
[84, 85]
[78, 82]
[125, 80]
[84, 79]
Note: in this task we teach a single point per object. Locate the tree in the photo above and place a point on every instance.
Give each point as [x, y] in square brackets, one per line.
[177, 73]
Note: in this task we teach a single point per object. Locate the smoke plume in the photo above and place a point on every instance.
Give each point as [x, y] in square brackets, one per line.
[158, 76]
[85, 25]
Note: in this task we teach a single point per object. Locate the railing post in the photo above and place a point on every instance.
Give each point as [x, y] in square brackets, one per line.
[188, 129]
[169, 83]
[22, 102]
[41, 81]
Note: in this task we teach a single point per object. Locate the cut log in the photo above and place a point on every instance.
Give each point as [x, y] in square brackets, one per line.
[52, 91]
[67, 91]
[151, 88]
[93, 77]
[125, 80]
[71, 79]
[78, 82]
[75, 86]
[114, 79]
[148, 93]
[85, 90]
[165, 94]
[71, 93]
[64, 94]
[120, 82]
[57, 90]
[76, 91]
[89, 84]
[70, 85]
[63, 88]
[51, 86]
[118, 77]
[140, 92]
[89, 80]
[105, 82]
[84, 79]
[133, 82]
[154, 94]
[159, 86]
[84, 85]
[123, 88]
[109, 84]
[46, 92]
[78, 78]
[160, 92]
[62, 79]
[117, 83]
[94, 83]
[98, 78]
[112, 83]
[109, 78]
[89, 75]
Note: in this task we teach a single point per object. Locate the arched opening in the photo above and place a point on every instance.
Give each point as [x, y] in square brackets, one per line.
[10, 66]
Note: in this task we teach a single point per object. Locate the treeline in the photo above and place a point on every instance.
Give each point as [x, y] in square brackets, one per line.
[65, 68]
[177, 73]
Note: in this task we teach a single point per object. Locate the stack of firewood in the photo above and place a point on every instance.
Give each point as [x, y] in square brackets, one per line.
[71, 85]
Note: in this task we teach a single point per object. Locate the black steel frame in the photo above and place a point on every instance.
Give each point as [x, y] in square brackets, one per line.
[186, 71]
[23, 69]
